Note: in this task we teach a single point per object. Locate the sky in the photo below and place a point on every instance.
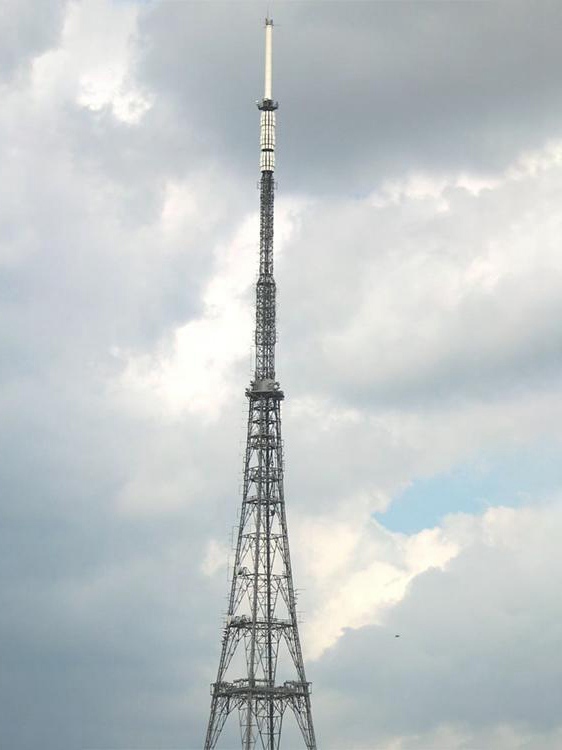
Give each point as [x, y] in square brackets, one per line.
[418, 261]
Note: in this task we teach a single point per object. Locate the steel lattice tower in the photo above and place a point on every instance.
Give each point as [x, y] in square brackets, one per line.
[261, 628]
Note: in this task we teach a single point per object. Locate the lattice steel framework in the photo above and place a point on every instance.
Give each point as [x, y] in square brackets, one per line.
[261, 630]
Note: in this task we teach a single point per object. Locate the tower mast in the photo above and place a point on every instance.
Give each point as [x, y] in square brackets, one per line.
[260, 637]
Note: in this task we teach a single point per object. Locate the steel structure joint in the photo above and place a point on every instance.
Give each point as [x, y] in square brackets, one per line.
[267, 105]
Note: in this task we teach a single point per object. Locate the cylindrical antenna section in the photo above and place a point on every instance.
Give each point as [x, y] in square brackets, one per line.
[268, 56]
[267, 107]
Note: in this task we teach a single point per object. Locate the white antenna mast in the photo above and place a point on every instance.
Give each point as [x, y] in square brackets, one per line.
[268, 56]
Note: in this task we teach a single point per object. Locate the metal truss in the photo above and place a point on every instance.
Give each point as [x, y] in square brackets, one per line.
[262, 616]
[261, 630]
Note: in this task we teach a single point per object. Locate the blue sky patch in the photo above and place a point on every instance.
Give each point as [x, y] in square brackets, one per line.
[513, 479]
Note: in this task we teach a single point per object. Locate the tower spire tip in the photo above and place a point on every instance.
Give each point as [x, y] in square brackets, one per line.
[268, 56]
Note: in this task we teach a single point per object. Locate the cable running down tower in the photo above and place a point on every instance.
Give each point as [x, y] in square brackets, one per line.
[261, 639]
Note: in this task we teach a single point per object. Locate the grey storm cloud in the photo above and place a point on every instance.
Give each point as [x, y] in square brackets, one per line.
[104, 613]
[365, 88]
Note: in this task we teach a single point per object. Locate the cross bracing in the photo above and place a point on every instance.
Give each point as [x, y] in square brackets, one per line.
[261, 629]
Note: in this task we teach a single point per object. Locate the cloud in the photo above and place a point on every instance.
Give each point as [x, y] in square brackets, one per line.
[27, 30]
[418, 264]
[357, 571]
[76, 68]
[455, 291]
[200, 370]
[417, 84]
[473, 639]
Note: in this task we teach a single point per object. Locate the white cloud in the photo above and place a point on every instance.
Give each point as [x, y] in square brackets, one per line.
[194, 371]
[474, 661]
[449, 302]
[92, 65]
[215, 558]
[351, 567]
[355, 569]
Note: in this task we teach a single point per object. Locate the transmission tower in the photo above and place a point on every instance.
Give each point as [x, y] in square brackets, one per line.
[261, 637]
